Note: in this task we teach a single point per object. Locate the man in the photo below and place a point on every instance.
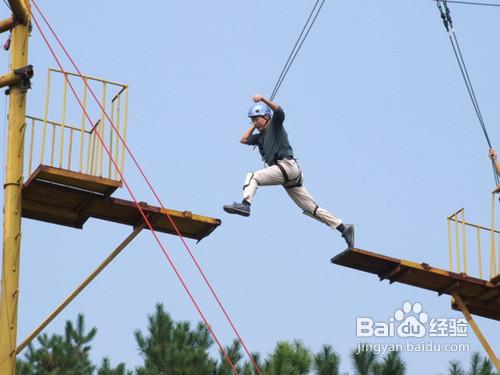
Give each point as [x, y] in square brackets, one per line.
[268, 117]
[493, 156]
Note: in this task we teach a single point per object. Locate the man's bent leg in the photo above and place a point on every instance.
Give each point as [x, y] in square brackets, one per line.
[264, 177]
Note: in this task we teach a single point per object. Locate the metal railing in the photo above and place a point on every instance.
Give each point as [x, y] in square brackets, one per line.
[77, 147]
[461, 235]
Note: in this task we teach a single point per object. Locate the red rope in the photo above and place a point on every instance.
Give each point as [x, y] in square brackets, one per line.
[144, 216]
[152, 189]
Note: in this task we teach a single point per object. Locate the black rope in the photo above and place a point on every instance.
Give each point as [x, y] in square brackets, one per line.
[471, 3]
[293, 49]
[480, 116]
[8, 5]
[448, 24]
[463, 68]
[311, 19]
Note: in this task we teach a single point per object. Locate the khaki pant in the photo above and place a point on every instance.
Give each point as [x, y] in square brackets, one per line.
[274, 176]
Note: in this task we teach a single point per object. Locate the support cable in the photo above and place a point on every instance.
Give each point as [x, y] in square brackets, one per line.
[471, 3]
[141, 211]
[8, 5]
[311, 19]
[448, 24]
[179, 234]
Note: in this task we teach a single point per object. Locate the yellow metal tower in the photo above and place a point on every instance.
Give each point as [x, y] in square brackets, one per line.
[19, 23]
[74, 178]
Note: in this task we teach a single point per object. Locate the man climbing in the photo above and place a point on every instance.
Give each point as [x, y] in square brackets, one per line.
[268, 117]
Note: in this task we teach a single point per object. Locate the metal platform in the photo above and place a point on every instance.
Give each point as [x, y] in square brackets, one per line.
[480, 296]
[69, 198]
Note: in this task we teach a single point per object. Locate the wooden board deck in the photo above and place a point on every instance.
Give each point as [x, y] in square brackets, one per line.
[68, 198]
[481, 297]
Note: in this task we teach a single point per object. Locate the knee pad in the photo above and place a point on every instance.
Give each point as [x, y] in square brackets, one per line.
[313, 215]
[248, 179]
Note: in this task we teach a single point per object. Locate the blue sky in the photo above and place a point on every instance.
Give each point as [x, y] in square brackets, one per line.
[378, 117]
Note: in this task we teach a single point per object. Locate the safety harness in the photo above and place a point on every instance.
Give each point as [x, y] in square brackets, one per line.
[289, 184]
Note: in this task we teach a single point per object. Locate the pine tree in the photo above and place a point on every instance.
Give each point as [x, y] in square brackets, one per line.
[106, 369]
[173, 347]
[363, 361]
[234, 354]
[327, 362]
[58, 354]
[391, 365]
[289, 359]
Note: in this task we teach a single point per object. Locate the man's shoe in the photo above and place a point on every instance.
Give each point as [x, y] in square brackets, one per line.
[349, 235]
[238, 209]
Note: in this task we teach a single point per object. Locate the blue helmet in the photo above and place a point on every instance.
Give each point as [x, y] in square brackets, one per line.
[260, 109]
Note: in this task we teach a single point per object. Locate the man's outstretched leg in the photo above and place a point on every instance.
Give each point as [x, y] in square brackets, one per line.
[305, 201]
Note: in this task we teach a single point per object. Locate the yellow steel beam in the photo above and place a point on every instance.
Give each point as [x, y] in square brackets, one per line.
[38, 119]
[18, 76]
[82, 286]
[451, 217]
[89, 77]
[9, 79]
[474, 225]
[6, 24]
[464, 242]
[477, 331]
[12, 196]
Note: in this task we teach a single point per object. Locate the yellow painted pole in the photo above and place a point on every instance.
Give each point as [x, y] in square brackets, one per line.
[32, 142]
[87, 168]
[458, 244]
[477, 331]
[70, 151]
[497, 260]
[6, 24]
[88, 77]
[66, 126]
[124, 135]
[95, 153]
[53, 146]
[103, 131]
[63, 120]
[492, 236]
[450, 245]
[479, 256]
[496, 269]
[13, 199]
[82, 286]
[45, 117]
[82, 133]
[117, 124]
[9, 79]
[464, 241]
[474, 225]
[111, 137]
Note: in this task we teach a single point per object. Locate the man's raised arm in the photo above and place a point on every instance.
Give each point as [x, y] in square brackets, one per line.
[246, 135]
[259, 98]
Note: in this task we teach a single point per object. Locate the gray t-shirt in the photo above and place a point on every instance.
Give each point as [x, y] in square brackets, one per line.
[273, 141]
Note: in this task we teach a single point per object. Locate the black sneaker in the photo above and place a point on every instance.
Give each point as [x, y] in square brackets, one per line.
[349, 235]
[238, 209]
